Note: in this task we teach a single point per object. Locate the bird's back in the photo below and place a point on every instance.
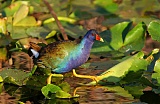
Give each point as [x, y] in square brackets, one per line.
[56, 55]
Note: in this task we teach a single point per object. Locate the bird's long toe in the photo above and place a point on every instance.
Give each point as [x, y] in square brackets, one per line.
[94, 78]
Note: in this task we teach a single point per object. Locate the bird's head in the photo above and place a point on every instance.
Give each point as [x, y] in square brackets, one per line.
[93, 35]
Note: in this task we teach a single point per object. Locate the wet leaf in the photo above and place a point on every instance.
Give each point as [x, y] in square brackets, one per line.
[135, 90]
[50, 88]
[153, 29]
[100, 64]
[136, 70]
[126, 68]
[64, 86]
[119, 91]
[63, 94]
[156, 74]
[36, 82]
[18, 78]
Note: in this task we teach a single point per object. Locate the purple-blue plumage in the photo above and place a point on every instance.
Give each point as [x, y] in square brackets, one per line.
[64, 56]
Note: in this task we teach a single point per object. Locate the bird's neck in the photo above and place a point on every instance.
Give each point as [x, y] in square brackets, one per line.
[86, 44]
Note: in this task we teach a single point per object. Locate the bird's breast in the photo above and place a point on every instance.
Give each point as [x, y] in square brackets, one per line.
[78, 58]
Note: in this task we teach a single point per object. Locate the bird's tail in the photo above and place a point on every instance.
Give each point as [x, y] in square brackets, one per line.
[35, 49]
[35, 46]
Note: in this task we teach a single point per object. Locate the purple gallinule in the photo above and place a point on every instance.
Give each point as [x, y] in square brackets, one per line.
[64, 56]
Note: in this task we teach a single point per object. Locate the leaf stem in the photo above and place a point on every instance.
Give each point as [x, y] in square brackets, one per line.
[65, 37]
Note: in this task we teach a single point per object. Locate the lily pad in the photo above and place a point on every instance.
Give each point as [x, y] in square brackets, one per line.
[21, 14]
[64, 86]
[135, 90]
[153, 29]
[63, 94]
[156, 75]
[119, 91]
[10, 10]
[39, 32]
[128, 67]
[18, 32]
[27, 21]
[50, 88]
[18, 78]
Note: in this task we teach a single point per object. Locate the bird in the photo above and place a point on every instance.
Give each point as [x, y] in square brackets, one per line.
[64, 56]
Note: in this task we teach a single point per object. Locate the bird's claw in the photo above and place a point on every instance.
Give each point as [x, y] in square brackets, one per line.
[94, 78]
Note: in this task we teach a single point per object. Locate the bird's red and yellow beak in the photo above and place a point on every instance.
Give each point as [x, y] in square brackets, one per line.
[99, 38]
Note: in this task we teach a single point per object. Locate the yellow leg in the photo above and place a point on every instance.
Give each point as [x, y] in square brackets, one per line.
[49, 79]
[94, 78]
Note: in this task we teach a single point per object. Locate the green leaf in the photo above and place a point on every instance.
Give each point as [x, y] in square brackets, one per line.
[118, 33]
[18, 32]
[39, 32]
[157, 90]
[119, 91]
[139, 65]
[3, 54]
[135, 90]
[66, 19]
[63, 94]
[108, 5]
[51, 34]
[50, 88]
[156, 75]
[18, 78]
[1, 87]
[74, 31]
[130, 66]
[100, 64]
[21, 14]
[10, 10]
[120, 38]
[113, 38]
[137, 33]
[1, 79]
[36, 82]
[3, 25]
[64, 86]
[153, 29]
[115, 73]
[5, 39]
[27, 21]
